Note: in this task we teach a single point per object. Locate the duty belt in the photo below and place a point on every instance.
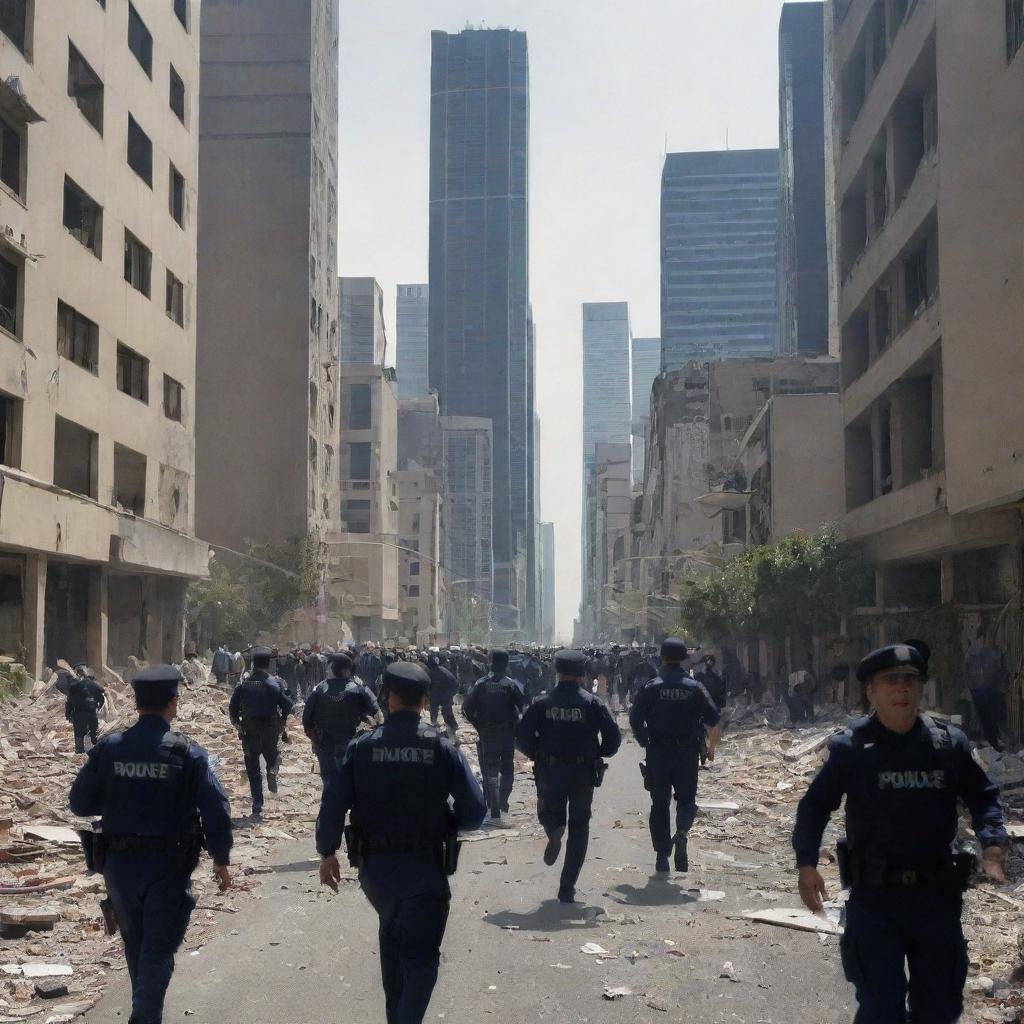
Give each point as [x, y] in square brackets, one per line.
[142, 844]
[674, 741]
[394, 845]
[551, 760]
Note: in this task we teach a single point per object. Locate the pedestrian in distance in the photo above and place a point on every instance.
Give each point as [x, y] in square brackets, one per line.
[902, 773]
[157, 797]
[670, 716]
[81, 708]
[257, 708]
[493, 707]
[221, 665]
[566, 733]
[395, 783]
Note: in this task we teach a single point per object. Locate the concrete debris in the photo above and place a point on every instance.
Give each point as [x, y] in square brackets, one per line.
[1006, 769]
[594, 949]
[618, 992]
[51, 989]
[799, 919]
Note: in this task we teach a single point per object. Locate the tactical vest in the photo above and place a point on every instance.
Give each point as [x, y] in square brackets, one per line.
[80, 699]
[337, 713]
[257, 700]
[675, 711]
[496, 705]
[568, 731]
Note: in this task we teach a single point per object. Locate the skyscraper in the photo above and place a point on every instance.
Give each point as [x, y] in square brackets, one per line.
[803, 255]
[547, 576]
[479, 264]
[607, 376]
[412, 326]
[361, 321]
[646, 367]
[719, 228]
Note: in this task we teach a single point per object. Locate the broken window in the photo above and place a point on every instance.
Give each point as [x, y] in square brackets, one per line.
[129, 480]
[10, 431]
[10, 157]
[176, 197]
[85, 88]
[10, 277]
[915, 280]
[177, 95]
[181, 12]
[312, 401]
[360, 415]
[74, 458]
[140, 152]
[883, 318]
[1014, 27]
[140, 41]
[138, 263]
[132, 373]
[78, 338]
[356, 512]
[172, 399]
[173, 497]
[175, 299]
[15, 18]
[83, 217]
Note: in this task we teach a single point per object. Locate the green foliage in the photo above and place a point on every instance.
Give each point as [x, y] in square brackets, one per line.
[14, 679]
[941, 627]
[800, 585]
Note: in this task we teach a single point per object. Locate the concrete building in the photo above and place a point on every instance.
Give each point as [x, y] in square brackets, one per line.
[719, 235]
[646, 365]
[548, 591]
[363, 549]
[97, 374]
[412, 331]
[267, 300]
[420, 573]
[929, 142]
[361, 321]
[803, 259]
[479, 267]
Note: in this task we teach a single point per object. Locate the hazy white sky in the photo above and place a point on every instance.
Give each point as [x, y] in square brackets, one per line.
[614, 83]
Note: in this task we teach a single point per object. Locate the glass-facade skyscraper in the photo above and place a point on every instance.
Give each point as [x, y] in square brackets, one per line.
[646, 367]
[411, 321]
[719, 236]
[607, 376]
[479, 269]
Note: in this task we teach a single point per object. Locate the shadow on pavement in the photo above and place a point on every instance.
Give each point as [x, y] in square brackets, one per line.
[550, 916]
[658, 892]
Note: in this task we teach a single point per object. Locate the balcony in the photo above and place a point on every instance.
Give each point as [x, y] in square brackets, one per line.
[910, 503]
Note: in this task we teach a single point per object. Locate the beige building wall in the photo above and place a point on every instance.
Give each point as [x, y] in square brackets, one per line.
[420, 571]
[96, 581]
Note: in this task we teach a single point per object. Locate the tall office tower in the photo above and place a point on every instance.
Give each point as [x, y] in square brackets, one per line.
[479, 264]
[607, 376]
[803, 255]
[268, 280]
[646, 367]
[547, 573]
[529, 623]
[361, 321]
[719, 228]
[412, 327]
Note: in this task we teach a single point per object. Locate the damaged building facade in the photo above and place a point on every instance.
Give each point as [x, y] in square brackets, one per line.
[97, 332]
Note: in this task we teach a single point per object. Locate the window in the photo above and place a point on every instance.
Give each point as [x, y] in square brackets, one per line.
[177, 96]
[132, 373]
[140, 42]
[181, 12]
[129, 480]
[10, 431]
[359, 460]
[1014, 27]
[140, 152]
[360, 407]
[172, 399]
[414, 568]
[176, 196]
[15, 17]
[357, 515]
[78, 338]
[83, 217]
[414, 590]
[138, 263]
[10, 157]
[74, 458]
[85, 88]
[10, 274]
[175, 299]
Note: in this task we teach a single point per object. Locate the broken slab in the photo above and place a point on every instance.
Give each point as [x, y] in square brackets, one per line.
[34, 970]
[799, 919]
[811, 746]
[730, 806]
[59, 834]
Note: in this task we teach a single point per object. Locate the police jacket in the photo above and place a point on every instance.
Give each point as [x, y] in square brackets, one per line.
[151, 781]
[569, 725]
[221, 662]
[259, 698]
[443, 685]
[494, 703]
[672, 710]
[901, 794]
[715, 685]
[396, 781]
[334, 710]
[643, 672]
[84, 697]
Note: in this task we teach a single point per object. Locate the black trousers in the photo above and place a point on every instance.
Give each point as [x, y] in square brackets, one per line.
[85, 724]
[565, 796]
[260, 739]
[671, 770]
[448, 713]
[497, 749]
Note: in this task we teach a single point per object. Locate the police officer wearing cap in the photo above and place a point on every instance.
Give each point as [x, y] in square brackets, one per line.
[257, 708]
[566, 733]
[901, 773]
[84, 699]
[333, 713]
[153, 788]
[396, 782]
[670, 717]
[443, 687]
[493, 707]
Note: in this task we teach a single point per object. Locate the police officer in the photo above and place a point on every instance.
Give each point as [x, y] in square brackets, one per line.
[443, 687]
[153, 788]
[669, 717]
[84, 699]
[493, 708]
[257, 708]
[566, 733]
[396, 781]
[901, 773]
[333, 712]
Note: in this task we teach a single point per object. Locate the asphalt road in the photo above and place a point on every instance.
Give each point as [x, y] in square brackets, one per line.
[298, 954]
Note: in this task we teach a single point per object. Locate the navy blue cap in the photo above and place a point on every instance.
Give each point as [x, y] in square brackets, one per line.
[407, 673]
[499, 657]
[571, 663]
[893, 656]
[261, 652]
[673, 649]
[157, 684]
[340, 661]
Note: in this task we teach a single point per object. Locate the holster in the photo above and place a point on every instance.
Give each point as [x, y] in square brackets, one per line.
[600, 767]
[844, 859]
[355, 848]
[94, 848]
[643, 773]
[452, 849]
[109, 919]
[191, 849]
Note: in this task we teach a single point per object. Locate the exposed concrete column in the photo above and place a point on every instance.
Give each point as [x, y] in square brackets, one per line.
[34, 613]
[96, 629]
[947, 579]
[152, 620]
[174, 623]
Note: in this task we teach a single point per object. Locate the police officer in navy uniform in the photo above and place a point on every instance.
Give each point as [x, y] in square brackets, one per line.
[669, 717]
[901, 773]
[443, 687]
[257, 708]
[493, 707]
[84, 699]
[333, 713]
[396, 781]
[566, 733]
[153, 789]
